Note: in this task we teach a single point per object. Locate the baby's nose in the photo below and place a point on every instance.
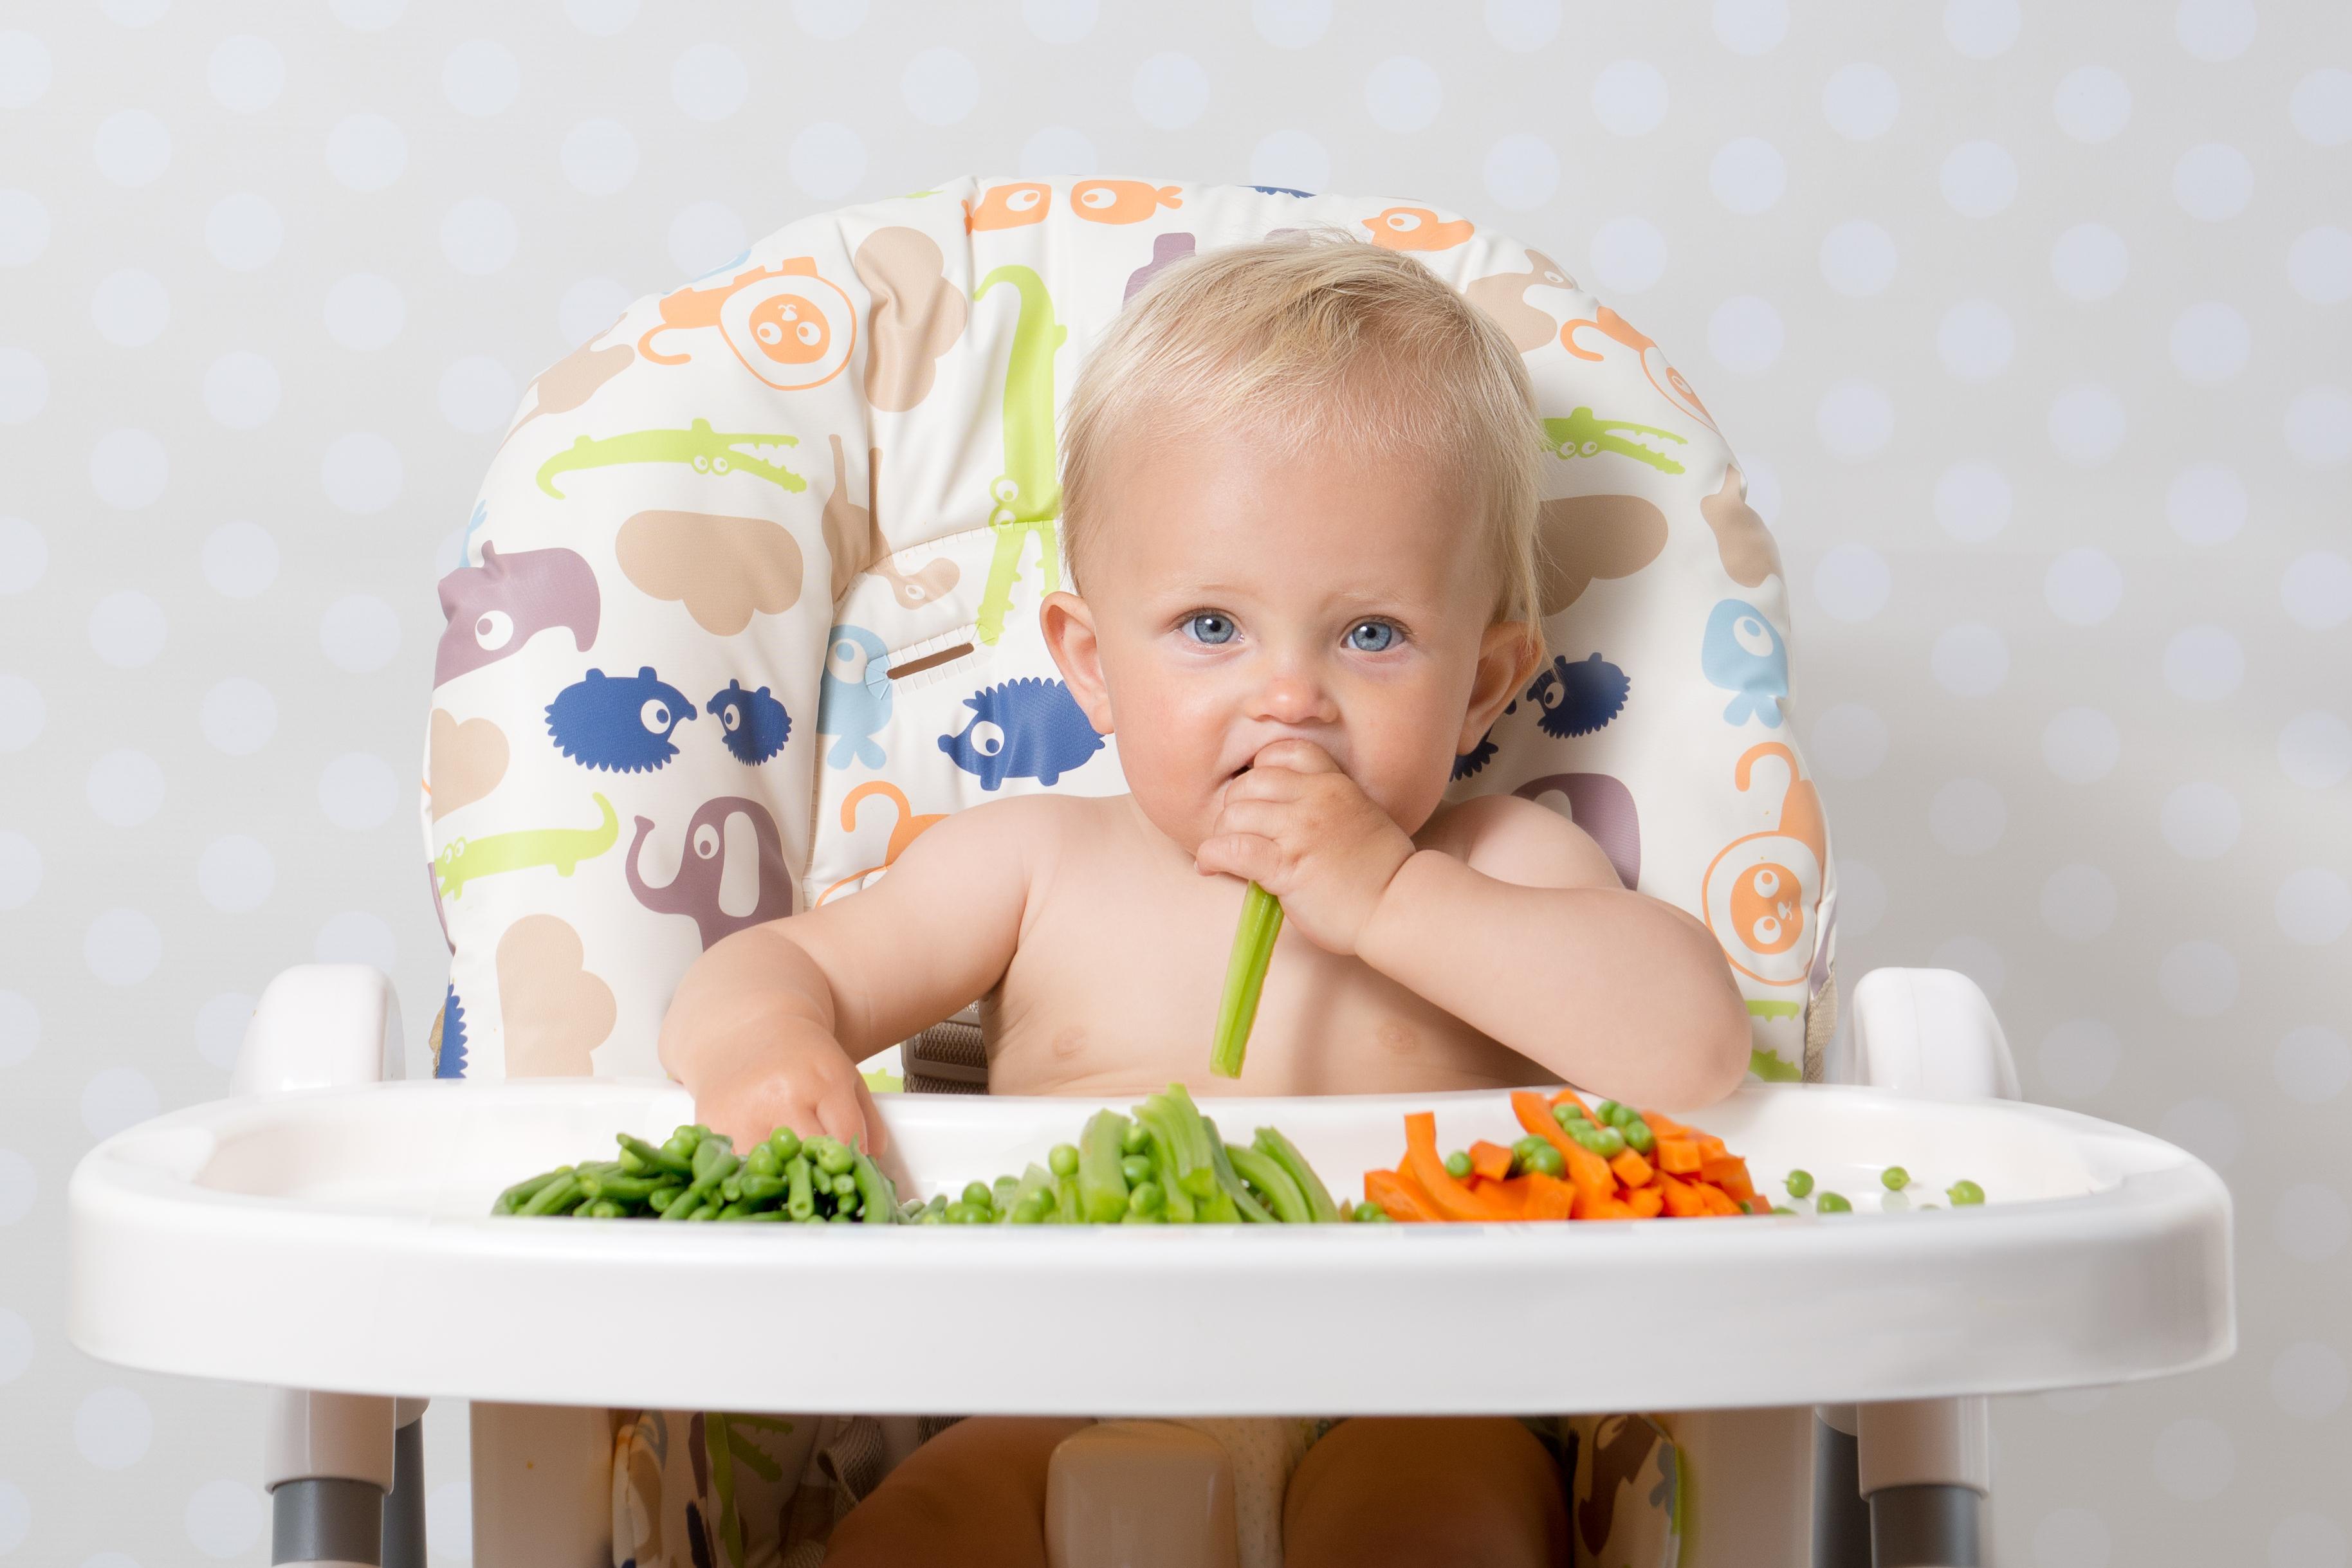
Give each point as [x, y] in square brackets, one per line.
[1291, 697]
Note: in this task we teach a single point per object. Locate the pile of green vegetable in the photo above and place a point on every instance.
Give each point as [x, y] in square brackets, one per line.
[697, 1174]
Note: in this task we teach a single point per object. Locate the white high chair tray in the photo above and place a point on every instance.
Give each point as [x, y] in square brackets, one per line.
[340, 1239]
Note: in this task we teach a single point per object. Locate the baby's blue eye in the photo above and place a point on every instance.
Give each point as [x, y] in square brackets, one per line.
[1208, 627]
[1371, 636]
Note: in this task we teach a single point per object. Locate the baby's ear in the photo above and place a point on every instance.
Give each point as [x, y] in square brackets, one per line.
[1068, 624]
[1507, 655]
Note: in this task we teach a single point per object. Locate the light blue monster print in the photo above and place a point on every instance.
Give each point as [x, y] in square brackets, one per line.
[1744, 654]
[854, 697]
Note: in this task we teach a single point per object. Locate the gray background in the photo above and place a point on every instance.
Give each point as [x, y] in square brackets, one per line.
[2028, 324]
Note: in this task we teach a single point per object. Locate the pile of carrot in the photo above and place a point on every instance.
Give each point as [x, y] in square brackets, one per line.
[1686, 1174]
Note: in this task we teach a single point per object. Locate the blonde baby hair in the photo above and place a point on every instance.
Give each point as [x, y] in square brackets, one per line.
[1309, 337]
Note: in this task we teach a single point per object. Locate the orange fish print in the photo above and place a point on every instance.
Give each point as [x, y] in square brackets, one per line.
[1008, 207]
[1122, 200]
[1417, 228]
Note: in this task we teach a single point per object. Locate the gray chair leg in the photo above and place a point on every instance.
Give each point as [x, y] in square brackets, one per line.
[1924, 1527]
[1841, 1519]
[325, 1520]
[404, 1508]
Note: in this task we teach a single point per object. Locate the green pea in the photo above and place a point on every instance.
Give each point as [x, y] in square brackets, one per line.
[731, 1189]
[785, 1142]
[977, 1195]
[836, 1159]
[1963, 1193]
[1145, 1197]
[1379, 1216]
[845, 1185]
[1134, 1139]
[1547, 1160]
[763, 1160]
[1831, 1203]
[1800, 1183]
[1457, 1164]
[1782, 1209]
[1030, 1210]
[1568, 1110]
[1136, 1168]
[1609, 1143]
[1605, 1109]
[961, 1213]
[1895, 1178]
[1064, 1160]
[1638, 1136]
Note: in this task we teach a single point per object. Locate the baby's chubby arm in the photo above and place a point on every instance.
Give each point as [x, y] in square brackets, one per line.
[769, 1025]
[1504, 915]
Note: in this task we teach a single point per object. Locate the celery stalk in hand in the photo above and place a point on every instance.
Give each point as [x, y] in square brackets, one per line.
[1261, 923]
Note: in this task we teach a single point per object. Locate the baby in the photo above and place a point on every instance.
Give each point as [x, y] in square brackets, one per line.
[1299, 494]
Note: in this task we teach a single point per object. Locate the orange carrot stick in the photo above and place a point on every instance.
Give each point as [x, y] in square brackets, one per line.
[1585, 1169]
[1490, 1160]
[1400, 1199]
[1453, 1199]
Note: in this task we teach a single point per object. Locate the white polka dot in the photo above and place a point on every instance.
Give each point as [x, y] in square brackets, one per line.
[24, 385]
[2210, 343]
[2093, 104]
[449, 1520]
[1969, 659]
[358, 791]
[116, 1098]
[239, 560]
[365, 311]
[127, 629]
[1860, 900]
[2089, 262]
[2321, 107]
[239, 716]
[2198, 979]
[1861, 101]
[2078, 902]
[243, 232]
[2076, 1401]
[2319, 265]
[2086, 424]
[1979, 178]
[132, 148]
[1855, 420]
[1848, 741]
[131, 307]
[1170, 91]
[241, 390]
[2194, 1459]
[1522, 171]
[22, 713]
[705, 236]
[112, 1429]
[599, 157]
[828, 160]
[360, 473]
[2083, 586]
[2319, 427]
[1972, 502]
[1745, 334]
[356, 937]
[1976, 341]
[224, 1518]
[1628, 255]
[2308, 1381]
[1980, 29]
[20, 1032]
[1060, 21]
[16, 1346]
[478, 395]
[1629, 98]
[2199, 820]
[2312, 1064]
[235, 874]
[366, 152]
[589, 308]
[480, 78]
[124, 788]
[1293, 160]
[1752, 27]
[368, 16]
[2311, 1222]
[1858, 258]
[2314, 907]
[2214, 31]
[2306, 1541]
[24, 70]
[2206, 505]
[2315, 750]
[1968, 816]
[2071, 1538]
[1975, 958]
[1522, 25]
[940, 87]
[1851, 582]
[2203, 663]
[246, 73]
[1060, 151]
[478, 236]
[24, 228]
[2206, 1128]
[1747, 175]
[2317, 590]
[1291, 24]
[18, 1184]
[603, 18]
[1402, 94]
[220, 1027]
[2212, 181]
[2079, 1058]
[20, 870]
[122, 947]
[360, 634]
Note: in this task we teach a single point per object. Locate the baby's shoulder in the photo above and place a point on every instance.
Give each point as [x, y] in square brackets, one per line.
[1514, 839]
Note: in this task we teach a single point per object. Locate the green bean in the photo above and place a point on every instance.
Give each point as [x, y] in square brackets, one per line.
[1895, 1178]
[603, 1208]
[1176, 1203]
[762, 1189]
[555, 1198]
[661, 1198]
[1254, 939]
[733, 1211]
[1104, 1174]
[835, 1158]
[1235, 1192]
[1269, 1142]
[731, 1189]
[1263, 1172]
[877, 1199]
[1457, 1166]
[801, 1198]
[785, 1142]
[844, 1184]
[522, 1192]
[1964, 1193]
[1831, 1203]
[767, 1217]
[763, 1160]
[1800, 1183]
[706, 1210]
[623, 1188]
[1064, 1159]
[658, 1158]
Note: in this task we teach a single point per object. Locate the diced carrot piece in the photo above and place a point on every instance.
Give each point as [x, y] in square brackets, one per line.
[1728, 1172]
[1718, 1201]
[1548, 1197]
[1631, 1168]
[1678, 1157]
[1397, 1198]
[1492, 1161]
[1665, 1126]
[1452, 1200]
[1710, 1147]
[1646, 1202]
[1592, 1206]
[1681, 1201]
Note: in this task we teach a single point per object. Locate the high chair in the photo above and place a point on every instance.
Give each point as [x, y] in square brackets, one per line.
[747, 604]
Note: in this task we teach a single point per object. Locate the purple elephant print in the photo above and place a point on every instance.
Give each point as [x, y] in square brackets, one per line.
[495, 608]
[702, 879]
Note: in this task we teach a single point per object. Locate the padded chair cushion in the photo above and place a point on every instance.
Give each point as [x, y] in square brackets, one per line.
[749, 600]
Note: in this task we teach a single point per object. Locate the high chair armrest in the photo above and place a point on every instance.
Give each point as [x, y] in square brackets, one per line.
[1929, 1032]
[320, 1026]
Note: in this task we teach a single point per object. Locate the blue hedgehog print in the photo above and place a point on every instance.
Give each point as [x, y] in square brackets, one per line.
[1024, 728]
[753, 726]
[1577, 698]
[450, 1062]
[1743, 654]
[1283, 191]
[620, 722]
[853, 700]
[1478, 755]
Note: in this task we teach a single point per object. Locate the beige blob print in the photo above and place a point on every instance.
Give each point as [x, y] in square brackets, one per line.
[468, 761]
[1504, 296]
[1740, 537]
[1585, 537]
[721, 569]
[554, 1011]
[853, 532]
[918, 316]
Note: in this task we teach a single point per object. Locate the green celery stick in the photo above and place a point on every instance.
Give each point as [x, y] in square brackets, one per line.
[1261, 923]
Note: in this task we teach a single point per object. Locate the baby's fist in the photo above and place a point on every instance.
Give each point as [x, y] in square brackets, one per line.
[1308, 833]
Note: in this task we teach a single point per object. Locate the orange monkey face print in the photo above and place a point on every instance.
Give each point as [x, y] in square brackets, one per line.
[1760, 896]
[788, 326]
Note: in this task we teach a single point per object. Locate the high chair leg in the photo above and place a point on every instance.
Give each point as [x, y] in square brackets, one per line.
[1925, 1465]
[327, 1461]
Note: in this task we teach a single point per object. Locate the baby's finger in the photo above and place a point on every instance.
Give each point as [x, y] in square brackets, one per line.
[839, 1116]
[877, 1137]
[1246, 855]
[1298, 756]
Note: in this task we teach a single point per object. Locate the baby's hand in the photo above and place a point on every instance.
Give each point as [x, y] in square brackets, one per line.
[799, 1078]
[1301, 829]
